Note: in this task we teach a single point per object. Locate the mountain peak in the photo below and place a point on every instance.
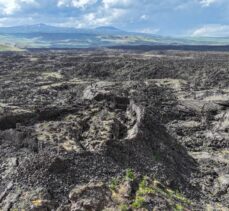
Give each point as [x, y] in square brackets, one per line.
[40, 25]
[108, 28]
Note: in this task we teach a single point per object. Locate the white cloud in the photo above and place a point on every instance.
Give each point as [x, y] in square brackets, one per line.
[10, 21]
[75, 3]
[216, 30]
[144, 17]
[126, 14]
[149, 30]
[183, 5]
[207, 3]
[8, 7]
[106, 13]
[116, 3]
[94, 19]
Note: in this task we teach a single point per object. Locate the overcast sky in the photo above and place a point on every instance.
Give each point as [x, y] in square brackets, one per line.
[165, 17]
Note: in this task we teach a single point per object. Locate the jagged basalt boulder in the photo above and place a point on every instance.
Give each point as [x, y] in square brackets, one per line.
[93, 196]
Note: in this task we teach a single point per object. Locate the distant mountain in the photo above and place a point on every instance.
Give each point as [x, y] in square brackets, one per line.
[43, 28]
[37, 28]
[110, 30]
[8, 48]
[46, 36]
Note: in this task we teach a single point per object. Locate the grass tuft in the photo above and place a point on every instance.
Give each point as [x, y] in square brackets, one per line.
[130, 176]
[138, 202]
[123, 207]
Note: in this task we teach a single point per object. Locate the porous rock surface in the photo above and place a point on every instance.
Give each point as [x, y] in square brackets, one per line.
[68, 130]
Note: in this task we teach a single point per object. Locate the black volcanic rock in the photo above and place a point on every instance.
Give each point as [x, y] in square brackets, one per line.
[107, 129]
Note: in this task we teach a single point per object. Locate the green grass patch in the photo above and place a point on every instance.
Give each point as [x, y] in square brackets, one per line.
[114, 184]
[144, 188]
[129, 176]
[178, 207]
[138, 202]
[123, 207]
[149, 188]
[178, 196]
